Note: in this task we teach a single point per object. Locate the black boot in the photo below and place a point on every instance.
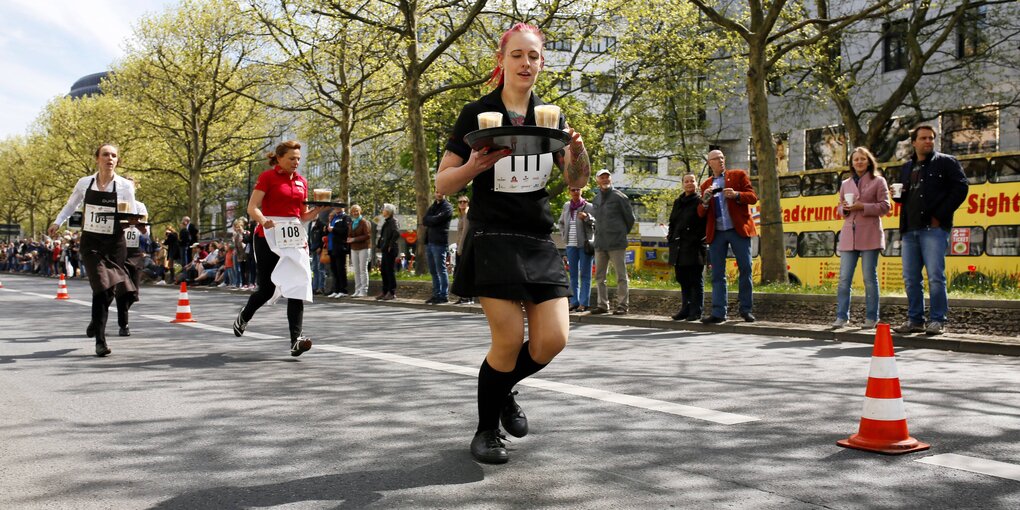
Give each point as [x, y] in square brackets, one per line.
[512, 417]
[101, 348]
[487, 446]
[682, 314]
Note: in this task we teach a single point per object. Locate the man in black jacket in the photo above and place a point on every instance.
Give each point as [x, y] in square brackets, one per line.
[188, 236]
[437, 220]
[932, 186]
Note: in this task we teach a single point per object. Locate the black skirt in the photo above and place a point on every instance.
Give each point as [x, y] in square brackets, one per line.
[104, 259]
[511, 265]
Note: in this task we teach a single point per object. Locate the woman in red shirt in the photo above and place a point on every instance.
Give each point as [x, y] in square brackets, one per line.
[277, 205]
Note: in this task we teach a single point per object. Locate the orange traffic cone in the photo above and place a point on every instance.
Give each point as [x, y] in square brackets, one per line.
[883, 427]
[183, 306]
[62, 289]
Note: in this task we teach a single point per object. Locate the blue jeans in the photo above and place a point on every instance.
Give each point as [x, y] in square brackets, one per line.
[437, 266]
[717, 256]
[580, 266]
[847, 265]
[925, 248]
[318, 273]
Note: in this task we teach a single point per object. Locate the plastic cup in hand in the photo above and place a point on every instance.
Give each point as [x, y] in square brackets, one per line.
[123, 207]
[849, 198]
[488, 120]
[897, 190]
[547, 116]
[322, 194]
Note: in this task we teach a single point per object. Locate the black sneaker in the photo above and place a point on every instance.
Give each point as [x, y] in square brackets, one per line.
[90, 330]
[440, 300]
[300, 345]
[239, 324]
[125, 331]
[487, 446]
[102, 349]
[512, 417]
[712, 319]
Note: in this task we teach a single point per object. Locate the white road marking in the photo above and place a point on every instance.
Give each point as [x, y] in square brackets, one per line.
[207, 327]
[974, 465]
[569, 389]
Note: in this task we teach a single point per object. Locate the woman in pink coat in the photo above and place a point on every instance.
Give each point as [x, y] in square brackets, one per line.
[863, 200]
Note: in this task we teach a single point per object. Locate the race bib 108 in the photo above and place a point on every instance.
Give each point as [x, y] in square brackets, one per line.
[290, 235]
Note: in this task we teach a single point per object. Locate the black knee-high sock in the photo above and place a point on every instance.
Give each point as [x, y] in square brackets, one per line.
[526, 366]
[295, 317]
[493, 386]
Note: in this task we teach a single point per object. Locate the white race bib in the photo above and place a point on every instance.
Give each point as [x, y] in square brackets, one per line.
[521, 174]
[290, 235]
[131, 237]
[95, 223]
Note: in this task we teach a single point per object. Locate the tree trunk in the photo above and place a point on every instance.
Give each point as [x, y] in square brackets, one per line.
[345, 154]
[416, 133]
[772, 249]
[194, 197]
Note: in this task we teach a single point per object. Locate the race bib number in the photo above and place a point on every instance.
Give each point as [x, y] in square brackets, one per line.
[290, 235]
[95, 222]
[131, 237]
[521, 174]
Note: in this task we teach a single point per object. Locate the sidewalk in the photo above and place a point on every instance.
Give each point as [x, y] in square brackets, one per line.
[949, 341]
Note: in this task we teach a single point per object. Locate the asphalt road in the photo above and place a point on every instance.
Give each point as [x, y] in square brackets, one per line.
[380, 413]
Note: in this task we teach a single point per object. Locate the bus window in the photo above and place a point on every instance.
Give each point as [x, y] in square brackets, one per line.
[892, 173]
[976, 170]
[892, 243]
[820, 184]
[966, 241]
[1005, 169]
[1003, 240]
[789, 186]
[755, 248]
[816, 244]
[790, 242]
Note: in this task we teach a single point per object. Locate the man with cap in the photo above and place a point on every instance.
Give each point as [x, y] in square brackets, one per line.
[614, 218]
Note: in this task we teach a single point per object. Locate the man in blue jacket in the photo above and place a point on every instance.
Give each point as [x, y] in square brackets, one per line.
[437, 223]
[933, 187]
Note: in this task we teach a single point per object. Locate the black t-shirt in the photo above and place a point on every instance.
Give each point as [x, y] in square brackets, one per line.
[528, 212]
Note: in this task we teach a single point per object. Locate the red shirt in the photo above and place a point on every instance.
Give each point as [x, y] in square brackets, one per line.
[285, 194]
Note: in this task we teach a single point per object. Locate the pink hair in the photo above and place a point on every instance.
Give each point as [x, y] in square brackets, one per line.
[497, 72]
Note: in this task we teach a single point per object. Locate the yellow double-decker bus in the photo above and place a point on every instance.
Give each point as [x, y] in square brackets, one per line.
[984, 242]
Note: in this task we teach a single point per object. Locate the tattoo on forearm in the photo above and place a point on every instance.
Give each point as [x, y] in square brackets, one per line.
[579, 170]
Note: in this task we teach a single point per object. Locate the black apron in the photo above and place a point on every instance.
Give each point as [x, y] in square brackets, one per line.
[135, 260]
[103, 250]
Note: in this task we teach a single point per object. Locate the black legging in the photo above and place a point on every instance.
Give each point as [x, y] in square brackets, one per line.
[266, 261]
[389, 278]
[100, 311]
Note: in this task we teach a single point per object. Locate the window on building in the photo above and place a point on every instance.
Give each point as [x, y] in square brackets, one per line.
[610, 162]
[970, 33]
[1003, 240]
[559, 45]
[598, 83]
[894, 45]
[600, 44]
[816, 244]
[971, 131]
[641, 164]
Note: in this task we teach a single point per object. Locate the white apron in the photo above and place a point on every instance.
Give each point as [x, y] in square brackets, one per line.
[293, 275]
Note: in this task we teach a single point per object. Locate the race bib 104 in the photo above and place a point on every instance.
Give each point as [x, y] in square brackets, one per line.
[95, 222]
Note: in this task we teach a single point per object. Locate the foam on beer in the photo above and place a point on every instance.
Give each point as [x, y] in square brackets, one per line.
[322, 194]
[488, 120]
[547, 116]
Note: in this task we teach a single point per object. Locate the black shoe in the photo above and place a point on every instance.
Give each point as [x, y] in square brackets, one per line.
[239, 324]
[694, 317]
[681, 315]
[102, 349]
[431, 300]
[300, 345]
[597, 311]
[461, 301]
[712, 319]
[125, 331]
[620, 311]
[487, 446]
[573, 308]
[90, 330]
[747, 316]
[512, 417]
[440, 301]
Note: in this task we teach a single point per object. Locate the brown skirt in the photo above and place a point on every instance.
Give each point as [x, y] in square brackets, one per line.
[103, 257]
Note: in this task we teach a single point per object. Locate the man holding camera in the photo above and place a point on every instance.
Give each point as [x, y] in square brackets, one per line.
[726, 202]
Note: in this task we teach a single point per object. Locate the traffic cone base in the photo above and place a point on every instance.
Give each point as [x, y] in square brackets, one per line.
[883, 427]
[62, 289]
[183, 306]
